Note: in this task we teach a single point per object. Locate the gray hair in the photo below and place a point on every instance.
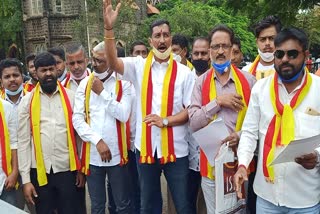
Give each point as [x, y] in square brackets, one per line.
[73, 48]
[99, 47]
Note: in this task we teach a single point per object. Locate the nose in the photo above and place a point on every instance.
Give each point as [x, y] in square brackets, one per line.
[220, 50]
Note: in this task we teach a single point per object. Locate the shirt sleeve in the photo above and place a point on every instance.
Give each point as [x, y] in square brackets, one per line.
[250, 129]
[119, 110]
[78, 118]
[130, 67]
[200, 115]
[12, 121]
[24, 139]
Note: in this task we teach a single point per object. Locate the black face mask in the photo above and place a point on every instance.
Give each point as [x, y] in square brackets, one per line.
[200, 65]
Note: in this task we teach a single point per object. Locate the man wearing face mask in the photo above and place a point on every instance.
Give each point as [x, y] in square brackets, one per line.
[180, 50]
[76, 61]
[200, 60]
[102, 108]
[265, 31]
[224, 92]
[163, 90]
[200, 55]
[288, 98]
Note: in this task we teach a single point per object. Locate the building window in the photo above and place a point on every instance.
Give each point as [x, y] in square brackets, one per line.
[36, 7]
[58, 6]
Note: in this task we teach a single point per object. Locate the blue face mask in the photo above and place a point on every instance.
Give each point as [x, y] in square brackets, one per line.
[295, 77]
[13, 93]
[221, 68]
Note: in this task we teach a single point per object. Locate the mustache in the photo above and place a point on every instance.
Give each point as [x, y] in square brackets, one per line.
[286, 65]
[221, 56]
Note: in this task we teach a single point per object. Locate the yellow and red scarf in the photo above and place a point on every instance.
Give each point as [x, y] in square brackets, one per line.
[281, 128]
[254, 65]
[35, 128]
[209, 93]
[123, 130]
[28, 86]
[167, 147]
[5, 143]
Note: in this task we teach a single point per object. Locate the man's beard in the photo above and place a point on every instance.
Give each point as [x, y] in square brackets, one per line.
[49, 86]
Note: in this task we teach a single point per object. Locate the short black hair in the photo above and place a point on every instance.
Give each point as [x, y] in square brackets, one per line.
[267, 22]
[224, 28]
[10, 62]
[236, 41]
[44, 59]
[181, 40]
[30, 57]
[73, 48]
[158, 22]
[135, 43]
[292, 33]
[58, 51]
[201, 38]
[121, 52]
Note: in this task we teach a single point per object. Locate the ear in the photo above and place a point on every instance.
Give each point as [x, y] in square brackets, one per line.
[150, 42]
[184, 52]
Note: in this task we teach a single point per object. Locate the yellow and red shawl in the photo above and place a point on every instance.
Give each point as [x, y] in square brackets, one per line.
[35, 128]
[167, 141]
[209, 93]
[123, 130]
[281, 128]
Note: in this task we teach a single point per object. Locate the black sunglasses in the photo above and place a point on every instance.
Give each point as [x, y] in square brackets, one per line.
[292, 54]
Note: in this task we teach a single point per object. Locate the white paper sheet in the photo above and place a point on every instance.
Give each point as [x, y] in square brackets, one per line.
[210, 137]
[297, 148]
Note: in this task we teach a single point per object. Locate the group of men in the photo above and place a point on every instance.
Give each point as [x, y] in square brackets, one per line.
[123, 123]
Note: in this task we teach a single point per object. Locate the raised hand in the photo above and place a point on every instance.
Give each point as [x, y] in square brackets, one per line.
[110, 15]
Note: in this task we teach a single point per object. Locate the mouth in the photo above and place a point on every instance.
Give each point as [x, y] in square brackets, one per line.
[162, 48]
[221, 57]
[268, 50]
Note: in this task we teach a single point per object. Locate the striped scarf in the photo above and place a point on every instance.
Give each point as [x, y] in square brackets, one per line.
[5, 143]
[167, 141]
[35, 128]
[281, 128]
[122, 129]
[209, 93]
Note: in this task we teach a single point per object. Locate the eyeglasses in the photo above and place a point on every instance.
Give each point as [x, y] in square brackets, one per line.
[223, 46]
[292, 54]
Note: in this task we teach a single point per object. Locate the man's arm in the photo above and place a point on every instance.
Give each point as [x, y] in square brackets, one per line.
[110, 17]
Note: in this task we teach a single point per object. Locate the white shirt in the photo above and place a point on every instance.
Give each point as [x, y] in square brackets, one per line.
[14, 105]
[133, 71]
[103, 110]
[11, 118]
[294, 186]
[194, 149]
[261, 71]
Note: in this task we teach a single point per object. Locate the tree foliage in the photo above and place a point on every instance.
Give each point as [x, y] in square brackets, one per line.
[10, 21]
[194, 19]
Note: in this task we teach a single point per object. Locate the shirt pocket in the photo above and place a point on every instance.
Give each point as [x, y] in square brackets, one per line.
[306, 125]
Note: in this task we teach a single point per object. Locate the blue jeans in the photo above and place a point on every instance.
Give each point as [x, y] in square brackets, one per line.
[194, 186]
[177, 178]
[118, 178]
[264, 206]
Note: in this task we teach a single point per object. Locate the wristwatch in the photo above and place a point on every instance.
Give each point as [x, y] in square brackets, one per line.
[165, 122]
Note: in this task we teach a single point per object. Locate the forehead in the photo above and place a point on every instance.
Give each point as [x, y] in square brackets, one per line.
[176, 47]
[139, 47]
[10, 70]
[235, 47]
[98, 54]
[164, 28]
[57, 58]
[289, 45]
[46, 67]
[77, 55]
[269, 31]
[220, 37]
[199, 45]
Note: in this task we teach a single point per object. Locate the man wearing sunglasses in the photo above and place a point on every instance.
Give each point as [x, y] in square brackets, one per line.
[265, 32]
[282, 108]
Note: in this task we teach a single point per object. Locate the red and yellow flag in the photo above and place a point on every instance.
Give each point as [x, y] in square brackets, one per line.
[5, 143]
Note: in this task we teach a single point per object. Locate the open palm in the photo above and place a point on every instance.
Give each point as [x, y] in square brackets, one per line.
[110, 15]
